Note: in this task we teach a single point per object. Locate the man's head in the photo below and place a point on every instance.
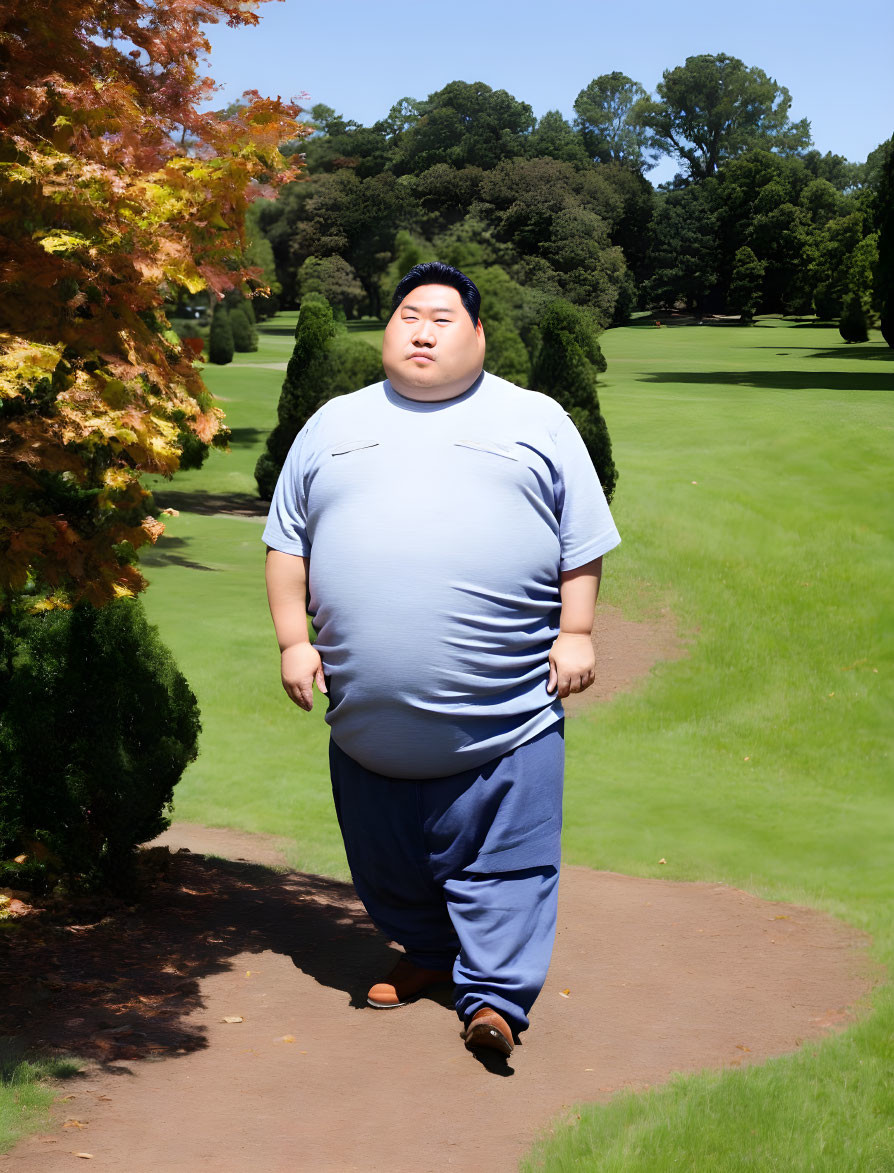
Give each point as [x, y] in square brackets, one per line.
[433, 347]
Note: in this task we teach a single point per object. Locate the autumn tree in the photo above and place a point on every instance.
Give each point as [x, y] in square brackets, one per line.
[116, 189]
[116, 192]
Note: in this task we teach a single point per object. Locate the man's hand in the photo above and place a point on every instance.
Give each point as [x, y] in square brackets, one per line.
[572, 664]
[301, 669]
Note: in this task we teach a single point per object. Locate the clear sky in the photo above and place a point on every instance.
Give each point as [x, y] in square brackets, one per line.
[361, 56]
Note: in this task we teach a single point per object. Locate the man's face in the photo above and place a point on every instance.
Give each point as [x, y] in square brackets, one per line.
[431, 350]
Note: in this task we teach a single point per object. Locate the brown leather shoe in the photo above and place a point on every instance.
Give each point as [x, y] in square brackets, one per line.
[405, 982]
[488, 1029]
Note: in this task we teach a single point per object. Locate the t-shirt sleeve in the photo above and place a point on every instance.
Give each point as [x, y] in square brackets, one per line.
[286, 527]
[586, 527]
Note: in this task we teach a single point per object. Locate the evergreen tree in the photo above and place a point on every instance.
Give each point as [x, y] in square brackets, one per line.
[566, 365]
[244, 337]
[884, 219]
[221, 346]
[745, 284]
[853, 326]
[325, 362]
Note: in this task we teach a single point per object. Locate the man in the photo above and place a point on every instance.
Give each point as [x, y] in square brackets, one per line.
[447, 529]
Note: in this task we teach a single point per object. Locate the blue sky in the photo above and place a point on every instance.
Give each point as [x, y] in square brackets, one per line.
[361, 56]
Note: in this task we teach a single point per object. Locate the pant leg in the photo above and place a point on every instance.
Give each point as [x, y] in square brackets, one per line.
[381, 825]
[506, 923]
[494, 843]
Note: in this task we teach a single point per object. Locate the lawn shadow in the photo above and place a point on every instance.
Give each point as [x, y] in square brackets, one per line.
[163, 554]
[240, 437]
[112, 982]
[778, 380]
[206, 504]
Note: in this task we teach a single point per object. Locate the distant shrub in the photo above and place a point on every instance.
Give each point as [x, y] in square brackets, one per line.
[566, 364]
[97, 724]
[853, 326]
[221, 346]
[245, 337]
[325, 362]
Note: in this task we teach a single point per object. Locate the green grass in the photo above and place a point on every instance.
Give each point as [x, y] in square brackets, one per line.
[25, 1097]
[761, 760]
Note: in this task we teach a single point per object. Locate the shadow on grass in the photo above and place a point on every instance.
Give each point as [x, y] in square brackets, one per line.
[111, 982]
[206, 504]
[163, 553]
[778, 380]
[247, 436]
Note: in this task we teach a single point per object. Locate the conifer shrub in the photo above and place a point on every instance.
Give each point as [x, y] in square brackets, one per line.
[853, 326]
[325, 362]
[566, 365]
[221, 346]
[745, 284]
[244, 336]
[97, 724]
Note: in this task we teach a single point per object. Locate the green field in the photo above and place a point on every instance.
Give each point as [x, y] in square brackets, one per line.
[754, 501]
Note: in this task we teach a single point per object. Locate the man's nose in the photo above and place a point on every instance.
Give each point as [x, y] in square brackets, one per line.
[424, 334]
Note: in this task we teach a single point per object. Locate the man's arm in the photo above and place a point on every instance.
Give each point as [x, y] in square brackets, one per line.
[287, 593]
[572, 662]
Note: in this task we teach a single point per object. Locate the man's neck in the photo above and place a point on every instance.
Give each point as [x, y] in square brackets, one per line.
[435, 394]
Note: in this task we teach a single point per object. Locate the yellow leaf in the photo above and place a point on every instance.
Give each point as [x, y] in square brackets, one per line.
[662, 860]
[564, 993]
[232, 1018]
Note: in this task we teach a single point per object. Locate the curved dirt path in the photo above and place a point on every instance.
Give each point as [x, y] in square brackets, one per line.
[648, 978]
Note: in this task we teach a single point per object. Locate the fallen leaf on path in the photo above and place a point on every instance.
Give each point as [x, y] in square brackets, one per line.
[89, 1156]
[232, 1018]
[74, 1124]
[564, 993]
[742, 1047]
[285, 1039]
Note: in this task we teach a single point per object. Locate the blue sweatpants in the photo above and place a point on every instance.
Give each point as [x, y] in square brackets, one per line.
[463, 871]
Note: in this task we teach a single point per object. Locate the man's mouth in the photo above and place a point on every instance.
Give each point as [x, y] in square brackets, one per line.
[422, 357]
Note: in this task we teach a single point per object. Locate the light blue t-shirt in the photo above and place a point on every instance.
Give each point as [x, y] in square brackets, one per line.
[436, 533]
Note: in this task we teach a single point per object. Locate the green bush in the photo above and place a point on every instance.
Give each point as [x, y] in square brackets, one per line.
[221, 346]
[853, 326]
[566, 364]
[96, 726]
[245, 336]
[325, 362]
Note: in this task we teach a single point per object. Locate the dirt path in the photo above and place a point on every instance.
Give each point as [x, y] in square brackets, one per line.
[648, 978]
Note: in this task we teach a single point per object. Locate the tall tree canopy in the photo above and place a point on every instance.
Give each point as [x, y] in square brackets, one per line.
[115, 190]
[606, 118]
[715, 107]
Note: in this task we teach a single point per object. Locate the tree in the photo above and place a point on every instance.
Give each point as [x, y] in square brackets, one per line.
[116, 188]
[465, 124]
[554, 138]
[221, 343]
[884, 222]
[745, 286]
[245, 337]
[334, 279]
[566, 366]
[606, 119]
[715, 107]
[853, 326]
[324, 363]
[684, 252]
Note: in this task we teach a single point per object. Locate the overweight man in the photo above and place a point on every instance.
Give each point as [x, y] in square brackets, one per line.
[444, 530]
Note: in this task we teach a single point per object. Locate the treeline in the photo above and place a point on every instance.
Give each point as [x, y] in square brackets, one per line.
[754, 222]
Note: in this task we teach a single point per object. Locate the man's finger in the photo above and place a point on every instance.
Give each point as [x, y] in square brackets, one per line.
[321, 681]
[553, 677]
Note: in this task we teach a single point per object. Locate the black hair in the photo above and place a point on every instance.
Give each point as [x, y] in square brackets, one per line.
[437, 273]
